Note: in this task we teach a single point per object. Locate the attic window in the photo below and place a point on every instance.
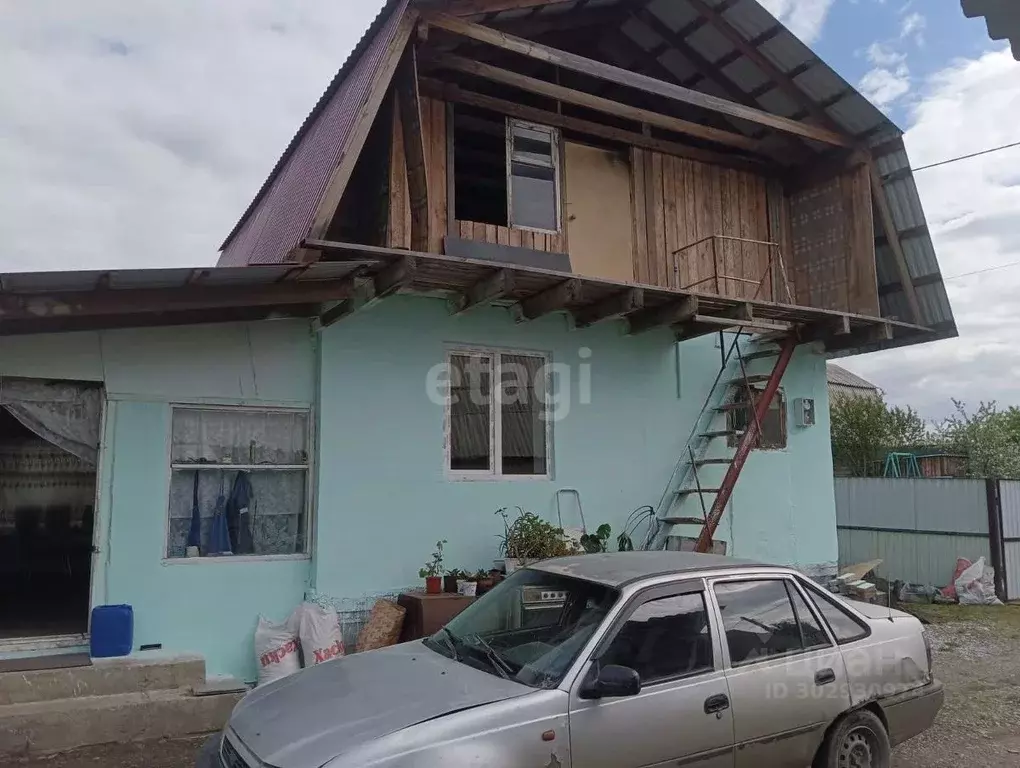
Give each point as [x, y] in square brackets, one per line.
[506, 172]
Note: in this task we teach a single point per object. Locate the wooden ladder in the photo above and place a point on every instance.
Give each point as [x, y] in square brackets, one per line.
[730, 384]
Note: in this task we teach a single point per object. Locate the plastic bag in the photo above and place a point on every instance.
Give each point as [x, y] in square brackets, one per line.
[318, 628]
[976, 585]
[962, 564]
[276, 651]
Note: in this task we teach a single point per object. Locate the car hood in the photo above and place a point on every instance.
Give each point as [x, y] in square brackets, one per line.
[307, 719]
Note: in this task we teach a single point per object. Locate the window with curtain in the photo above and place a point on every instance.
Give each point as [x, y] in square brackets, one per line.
[496, 414]
[238, 482]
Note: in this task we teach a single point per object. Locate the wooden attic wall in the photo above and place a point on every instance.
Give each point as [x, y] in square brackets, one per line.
[832, 244]
[678, 202]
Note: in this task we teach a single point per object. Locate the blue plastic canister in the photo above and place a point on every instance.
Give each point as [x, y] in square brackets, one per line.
[112, 632]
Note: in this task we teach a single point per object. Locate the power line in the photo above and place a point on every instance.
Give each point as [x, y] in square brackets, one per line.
[983, 271]
[967, 157]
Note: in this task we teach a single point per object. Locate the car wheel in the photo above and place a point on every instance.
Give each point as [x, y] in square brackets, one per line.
[859, 740]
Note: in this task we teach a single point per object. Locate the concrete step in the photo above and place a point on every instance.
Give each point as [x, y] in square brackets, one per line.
[104, 678]
[44, 727]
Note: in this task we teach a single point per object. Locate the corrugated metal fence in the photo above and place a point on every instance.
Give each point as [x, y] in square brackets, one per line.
[1009, 503]
[918, 527]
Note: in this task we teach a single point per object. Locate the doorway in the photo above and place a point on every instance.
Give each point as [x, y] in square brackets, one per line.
[47, 508]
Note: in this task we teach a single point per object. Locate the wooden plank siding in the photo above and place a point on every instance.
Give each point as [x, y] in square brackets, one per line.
[833, 247]
[520, 238]
[679, 202]
[398, 230]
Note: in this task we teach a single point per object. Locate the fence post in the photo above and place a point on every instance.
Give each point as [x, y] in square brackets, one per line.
[996, 544]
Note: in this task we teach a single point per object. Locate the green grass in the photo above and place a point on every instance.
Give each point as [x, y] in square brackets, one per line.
[1005, 618]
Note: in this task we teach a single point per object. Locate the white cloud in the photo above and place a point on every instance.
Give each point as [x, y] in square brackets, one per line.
[913, 25]
[973, 210]
[805, 18]
[890, 77]
[134, 134]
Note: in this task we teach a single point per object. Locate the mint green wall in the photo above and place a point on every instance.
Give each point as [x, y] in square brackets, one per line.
[193, 606]
[384, 498]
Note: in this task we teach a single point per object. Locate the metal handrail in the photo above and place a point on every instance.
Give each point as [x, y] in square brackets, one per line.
[775, 258]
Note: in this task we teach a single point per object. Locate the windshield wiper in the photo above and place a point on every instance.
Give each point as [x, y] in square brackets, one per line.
[494, 658]
[452, 641]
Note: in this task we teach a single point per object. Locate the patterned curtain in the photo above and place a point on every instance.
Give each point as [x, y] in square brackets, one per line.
[62, 413]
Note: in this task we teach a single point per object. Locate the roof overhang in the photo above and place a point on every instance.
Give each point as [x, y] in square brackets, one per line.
[1002, 18]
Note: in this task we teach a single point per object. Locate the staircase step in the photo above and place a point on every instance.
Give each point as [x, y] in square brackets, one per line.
[104, 677]
[764, 354]
[692, 491]
[682, 521]
[703, 462]
[757, 378]
[43, 727]
[720, 433]
[730, 407]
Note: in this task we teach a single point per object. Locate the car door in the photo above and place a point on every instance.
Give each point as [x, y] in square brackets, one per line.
[786, 676]
[682, 714]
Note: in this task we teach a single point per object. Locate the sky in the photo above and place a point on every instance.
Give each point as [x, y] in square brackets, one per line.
[134, 135]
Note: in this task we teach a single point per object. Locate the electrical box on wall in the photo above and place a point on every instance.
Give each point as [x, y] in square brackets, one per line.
[804, 412]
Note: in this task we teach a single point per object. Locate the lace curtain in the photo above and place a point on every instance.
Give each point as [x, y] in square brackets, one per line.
[64, 414]
[224, 443]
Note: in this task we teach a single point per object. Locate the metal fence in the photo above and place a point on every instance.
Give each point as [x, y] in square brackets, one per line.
[918, 527]
[1009, 505]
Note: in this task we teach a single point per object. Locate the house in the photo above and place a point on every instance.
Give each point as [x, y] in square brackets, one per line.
[1002, 17]
[504, 262]
[843, 383]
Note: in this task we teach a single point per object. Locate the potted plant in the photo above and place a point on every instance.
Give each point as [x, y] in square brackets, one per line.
[529, 538]
[450, 581]
[483, 582]
[467, 584]
[432, 571]
[598, 541]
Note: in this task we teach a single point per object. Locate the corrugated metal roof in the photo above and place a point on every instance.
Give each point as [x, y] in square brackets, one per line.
[1002, 17]
[271, 237]
[281, 214]
[841, 376]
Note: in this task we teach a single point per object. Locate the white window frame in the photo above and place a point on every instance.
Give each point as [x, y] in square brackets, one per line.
[554, 140]
[308, 468]
[495, 472]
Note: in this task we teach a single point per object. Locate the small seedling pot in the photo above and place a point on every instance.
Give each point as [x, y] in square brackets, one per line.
[450, 585]
[433, 585]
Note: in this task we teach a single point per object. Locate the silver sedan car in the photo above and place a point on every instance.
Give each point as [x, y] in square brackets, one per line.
[621, 660]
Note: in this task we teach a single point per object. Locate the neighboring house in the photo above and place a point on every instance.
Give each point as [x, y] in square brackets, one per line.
[843, 383]
[492, 269]
[1002, 18]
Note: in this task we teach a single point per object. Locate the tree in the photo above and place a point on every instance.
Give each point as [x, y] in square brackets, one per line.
[865, 429]
[988, 437]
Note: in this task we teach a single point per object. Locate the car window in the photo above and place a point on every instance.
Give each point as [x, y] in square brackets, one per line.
[813, 633]
[664, 639]
[845, 628]
[760, 620]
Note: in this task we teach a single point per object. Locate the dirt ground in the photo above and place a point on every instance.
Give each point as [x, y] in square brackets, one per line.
[977, 656]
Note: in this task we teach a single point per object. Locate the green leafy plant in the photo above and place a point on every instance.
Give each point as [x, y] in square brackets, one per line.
[598, 541]
[528, 537]
[435, 566]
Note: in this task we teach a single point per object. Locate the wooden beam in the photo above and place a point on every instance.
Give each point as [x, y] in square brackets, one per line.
[823, 170]
[534, 26]
[782, 79]
[619, 304]
[361, 297]
[476, 7]
[494, 286]
[885, 216]
[409, 102]
[553, 299]
[391, 279]
[667, 314]
[622, 76]
[362, 125]
[598, 103]
[395, 276]
[453, 93]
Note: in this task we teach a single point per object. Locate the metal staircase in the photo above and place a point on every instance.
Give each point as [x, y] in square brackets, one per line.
[688, 485]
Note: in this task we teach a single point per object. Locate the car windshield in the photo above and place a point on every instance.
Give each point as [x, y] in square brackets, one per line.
[529, 628]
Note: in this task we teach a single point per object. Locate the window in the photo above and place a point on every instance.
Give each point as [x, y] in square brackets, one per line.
[497, 430]
[664, 639]
[845, 628]
[761, 621]
[506, 172]
[773, 426]
[534, 176]
[238, 482]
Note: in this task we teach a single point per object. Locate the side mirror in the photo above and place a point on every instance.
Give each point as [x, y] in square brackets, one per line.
[612, 681]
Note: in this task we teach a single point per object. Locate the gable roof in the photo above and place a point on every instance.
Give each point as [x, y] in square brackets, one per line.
[839, 377]
[278, 219]
[1002, 18]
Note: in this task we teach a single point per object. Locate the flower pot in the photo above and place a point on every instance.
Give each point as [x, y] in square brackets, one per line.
[450, 585]
[467, 588]
[511, 564]
[433, 585]
[483, 586]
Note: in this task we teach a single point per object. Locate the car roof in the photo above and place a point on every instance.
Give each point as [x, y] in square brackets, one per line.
[616, 569]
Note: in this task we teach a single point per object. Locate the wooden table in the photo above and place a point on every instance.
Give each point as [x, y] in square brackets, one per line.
[426, 614]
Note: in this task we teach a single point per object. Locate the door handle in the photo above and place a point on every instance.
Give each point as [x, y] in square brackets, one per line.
[717, 703]
[824, 677]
